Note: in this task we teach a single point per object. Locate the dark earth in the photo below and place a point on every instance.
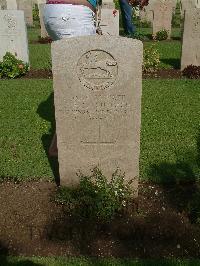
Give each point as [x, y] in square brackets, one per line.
[32, 223]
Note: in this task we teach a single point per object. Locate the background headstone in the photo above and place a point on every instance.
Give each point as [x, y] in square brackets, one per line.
[97, 90]
[12, 4]
[188, 4]
[191, 39]
[162, 16]
[26, 6]
[40, 2]
[43, 32]
[13, 35]
[146, 14]
[3, 4]
[109, 19]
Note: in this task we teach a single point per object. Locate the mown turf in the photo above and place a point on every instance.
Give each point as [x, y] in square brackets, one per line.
[24, 120]
[40, 56]
[170, 130]
[169, 136]
[17, 261]
[170, 51]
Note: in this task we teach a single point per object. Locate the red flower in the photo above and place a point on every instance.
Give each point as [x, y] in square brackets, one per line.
[114, 12]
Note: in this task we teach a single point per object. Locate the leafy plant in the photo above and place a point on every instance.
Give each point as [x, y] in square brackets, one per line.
[36, 13]
[96, 197]
[11, 67]
[192, 72]
[151, 59]
[161, 35]
[176, 16]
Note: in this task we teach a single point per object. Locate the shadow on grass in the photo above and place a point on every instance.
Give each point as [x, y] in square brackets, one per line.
[4, 261]
[182, 182]
[176, 38]
[47, 112]
[150, 233]
[13, 262]
[175, 63]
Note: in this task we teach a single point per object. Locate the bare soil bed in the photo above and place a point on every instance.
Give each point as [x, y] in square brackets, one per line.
[161, 74]
[32, 223]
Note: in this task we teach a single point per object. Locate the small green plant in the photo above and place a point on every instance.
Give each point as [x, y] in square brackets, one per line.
[191, 72]
[176, 16]
[151, 59]
[96, 197]
[11, 67]
[36, 13]
[161, 35]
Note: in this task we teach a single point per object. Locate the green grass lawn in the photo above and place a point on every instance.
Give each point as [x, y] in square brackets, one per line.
[17, 261]
[169, 136]
[40, 56]
[170, 51]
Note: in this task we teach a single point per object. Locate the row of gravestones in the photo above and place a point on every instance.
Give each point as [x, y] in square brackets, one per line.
[25, 5]
[109, 22]
[159, 12]
[97, 88]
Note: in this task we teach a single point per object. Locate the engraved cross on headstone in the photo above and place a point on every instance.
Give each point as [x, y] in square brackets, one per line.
[99, 141]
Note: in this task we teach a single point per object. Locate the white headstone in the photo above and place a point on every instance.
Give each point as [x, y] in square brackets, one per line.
[162, 16]
[12, 4]
[13, 35]
[43, 32]
[191, 39]
[109, 19]
[97, 90]
[26, 6]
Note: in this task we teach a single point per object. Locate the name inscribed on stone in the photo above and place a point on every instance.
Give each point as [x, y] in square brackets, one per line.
[196, 25]
[102, 108]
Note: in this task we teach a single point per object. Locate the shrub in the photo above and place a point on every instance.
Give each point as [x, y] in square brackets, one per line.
[192, 72]
[11, 67]
[161, 35]
[96, 197]
[176, 16]
[36, 13]
[151, 59]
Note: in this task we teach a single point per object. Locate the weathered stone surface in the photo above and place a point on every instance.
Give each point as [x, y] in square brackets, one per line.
[43, 32]
[26, 6]
[13, 35]
[97, 88]
[191, 39]
[41, 2]
[109, 19]
[162, 16]
[146, 14]
[12, 4]
[3, 4]
[188, 4]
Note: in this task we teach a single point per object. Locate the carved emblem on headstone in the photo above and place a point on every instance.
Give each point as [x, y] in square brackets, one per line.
[196, 25]
[10, 21]
[97, 69]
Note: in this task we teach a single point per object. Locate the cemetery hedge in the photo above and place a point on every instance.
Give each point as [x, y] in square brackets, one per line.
[169, 137]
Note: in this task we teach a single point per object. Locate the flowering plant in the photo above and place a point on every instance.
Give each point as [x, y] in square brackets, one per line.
[11, 67]
[151, 59]
[97, 197]
[139, 3]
